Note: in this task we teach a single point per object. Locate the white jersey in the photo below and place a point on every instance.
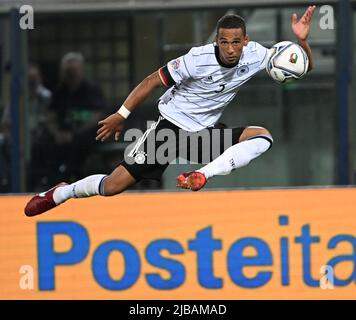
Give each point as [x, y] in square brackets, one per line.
[204, 85]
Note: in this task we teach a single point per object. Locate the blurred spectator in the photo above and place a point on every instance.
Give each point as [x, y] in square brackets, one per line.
[4, 155]
[76, 108]
[39, 136]
[39, 102]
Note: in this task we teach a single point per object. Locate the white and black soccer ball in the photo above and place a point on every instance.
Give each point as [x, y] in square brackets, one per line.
[287, 61]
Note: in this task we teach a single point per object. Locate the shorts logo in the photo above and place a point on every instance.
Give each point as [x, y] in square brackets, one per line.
[140, 157]
[293, 58]
[241, 71]
[175, 64]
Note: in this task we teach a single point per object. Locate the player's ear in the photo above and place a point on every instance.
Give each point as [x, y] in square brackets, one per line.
[247, 39]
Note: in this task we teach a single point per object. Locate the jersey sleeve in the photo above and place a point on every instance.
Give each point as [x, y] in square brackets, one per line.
[178, 70]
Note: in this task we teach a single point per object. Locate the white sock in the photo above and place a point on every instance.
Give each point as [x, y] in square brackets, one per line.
[87, 187]
[237, 156]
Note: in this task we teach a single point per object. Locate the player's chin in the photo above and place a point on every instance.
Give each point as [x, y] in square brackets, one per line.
[232, 60]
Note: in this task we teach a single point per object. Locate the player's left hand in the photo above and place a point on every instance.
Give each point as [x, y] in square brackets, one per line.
[301, 28]
[113, 124]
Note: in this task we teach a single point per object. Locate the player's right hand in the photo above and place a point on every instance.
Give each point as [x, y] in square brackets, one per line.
[113, 124]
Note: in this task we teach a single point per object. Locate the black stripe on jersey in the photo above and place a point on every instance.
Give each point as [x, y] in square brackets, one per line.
[263, 58]
[186, 67]
[224, 75]
[192, 102]
[174, 121]
[207, 65]
[255, 43]
[243, 81]
[168, 76]
[202, 106]
[206, 98]
[223, 72]
[252, 63]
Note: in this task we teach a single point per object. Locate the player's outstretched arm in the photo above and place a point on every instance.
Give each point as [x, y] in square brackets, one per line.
[114, 123]
[301, 30]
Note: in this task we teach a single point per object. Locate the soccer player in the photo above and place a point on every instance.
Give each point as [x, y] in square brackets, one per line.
[201, 84]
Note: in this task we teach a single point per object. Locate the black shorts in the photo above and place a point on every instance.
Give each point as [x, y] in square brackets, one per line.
[164, 142]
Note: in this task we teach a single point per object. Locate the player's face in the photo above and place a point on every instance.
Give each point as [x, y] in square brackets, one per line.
[231, 43]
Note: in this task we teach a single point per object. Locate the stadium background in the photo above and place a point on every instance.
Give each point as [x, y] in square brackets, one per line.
[312, 122]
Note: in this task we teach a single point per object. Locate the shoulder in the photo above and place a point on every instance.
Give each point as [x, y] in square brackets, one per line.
[201, 55]
[255, 51]
[187, 65]
[255, 47]
[202, 50]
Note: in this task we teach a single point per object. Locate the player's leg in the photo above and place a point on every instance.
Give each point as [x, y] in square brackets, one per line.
[105, 185]
[252, 142]
[125, 175]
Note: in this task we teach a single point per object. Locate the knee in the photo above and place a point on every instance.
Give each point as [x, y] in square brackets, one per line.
[253, 131]
[260, 131]
[111, 187]
[265, 132]
[118, 181]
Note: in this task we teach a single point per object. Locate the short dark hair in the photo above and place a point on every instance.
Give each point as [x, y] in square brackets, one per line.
[231, 21]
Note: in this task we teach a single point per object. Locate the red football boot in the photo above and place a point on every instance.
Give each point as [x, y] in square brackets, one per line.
[42, 202]
[191, 180]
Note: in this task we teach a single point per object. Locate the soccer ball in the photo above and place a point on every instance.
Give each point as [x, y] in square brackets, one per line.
[287, 62]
